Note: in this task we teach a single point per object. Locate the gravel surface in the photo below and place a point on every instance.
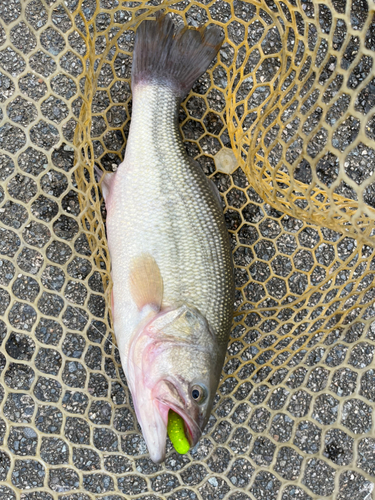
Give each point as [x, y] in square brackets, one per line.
[293, 417]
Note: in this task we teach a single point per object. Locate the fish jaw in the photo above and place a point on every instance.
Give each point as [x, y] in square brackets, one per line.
[152, 409]
[154, 428]
[168, 398]
[152, 422]
[171, 397]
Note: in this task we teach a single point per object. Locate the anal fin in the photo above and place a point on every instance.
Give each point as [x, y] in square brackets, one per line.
[146, 282]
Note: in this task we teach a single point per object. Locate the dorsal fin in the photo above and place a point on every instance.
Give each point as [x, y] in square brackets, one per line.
[146, 282]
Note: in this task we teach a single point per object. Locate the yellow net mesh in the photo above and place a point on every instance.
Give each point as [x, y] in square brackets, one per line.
[293, 93]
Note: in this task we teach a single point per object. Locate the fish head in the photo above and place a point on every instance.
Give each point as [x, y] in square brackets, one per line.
[174, 363]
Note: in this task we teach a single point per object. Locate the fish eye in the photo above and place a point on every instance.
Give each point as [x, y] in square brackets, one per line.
[198, 393]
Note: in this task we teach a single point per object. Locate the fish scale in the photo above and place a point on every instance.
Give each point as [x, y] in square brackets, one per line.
[173, 283]
[162, 204]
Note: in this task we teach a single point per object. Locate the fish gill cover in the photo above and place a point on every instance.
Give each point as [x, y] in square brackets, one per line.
[292, 91]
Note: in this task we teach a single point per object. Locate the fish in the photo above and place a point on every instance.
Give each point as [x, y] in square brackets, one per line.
[171, 261]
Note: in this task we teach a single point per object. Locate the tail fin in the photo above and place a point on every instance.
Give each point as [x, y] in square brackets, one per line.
[173, 60]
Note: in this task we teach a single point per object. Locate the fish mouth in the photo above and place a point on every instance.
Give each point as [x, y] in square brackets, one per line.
[192, 430]
[169, 396]
[152, 408]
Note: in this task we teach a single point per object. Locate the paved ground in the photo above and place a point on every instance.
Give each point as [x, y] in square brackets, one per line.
[293, 417]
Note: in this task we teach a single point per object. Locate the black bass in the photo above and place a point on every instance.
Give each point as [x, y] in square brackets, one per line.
[173, 288]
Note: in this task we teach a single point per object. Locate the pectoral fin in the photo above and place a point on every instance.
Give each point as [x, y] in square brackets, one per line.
[105, 179]
[146, 282]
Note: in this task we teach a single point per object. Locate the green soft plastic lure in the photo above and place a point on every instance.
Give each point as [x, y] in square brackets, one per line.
[176, 433]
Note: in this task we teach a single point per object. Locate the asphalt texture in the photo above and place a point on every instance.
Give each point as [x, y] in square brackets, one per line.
[289, 423]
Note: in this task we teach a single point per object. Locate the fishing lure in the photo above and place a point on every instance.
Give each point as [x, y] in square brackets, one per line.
[176, 433]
